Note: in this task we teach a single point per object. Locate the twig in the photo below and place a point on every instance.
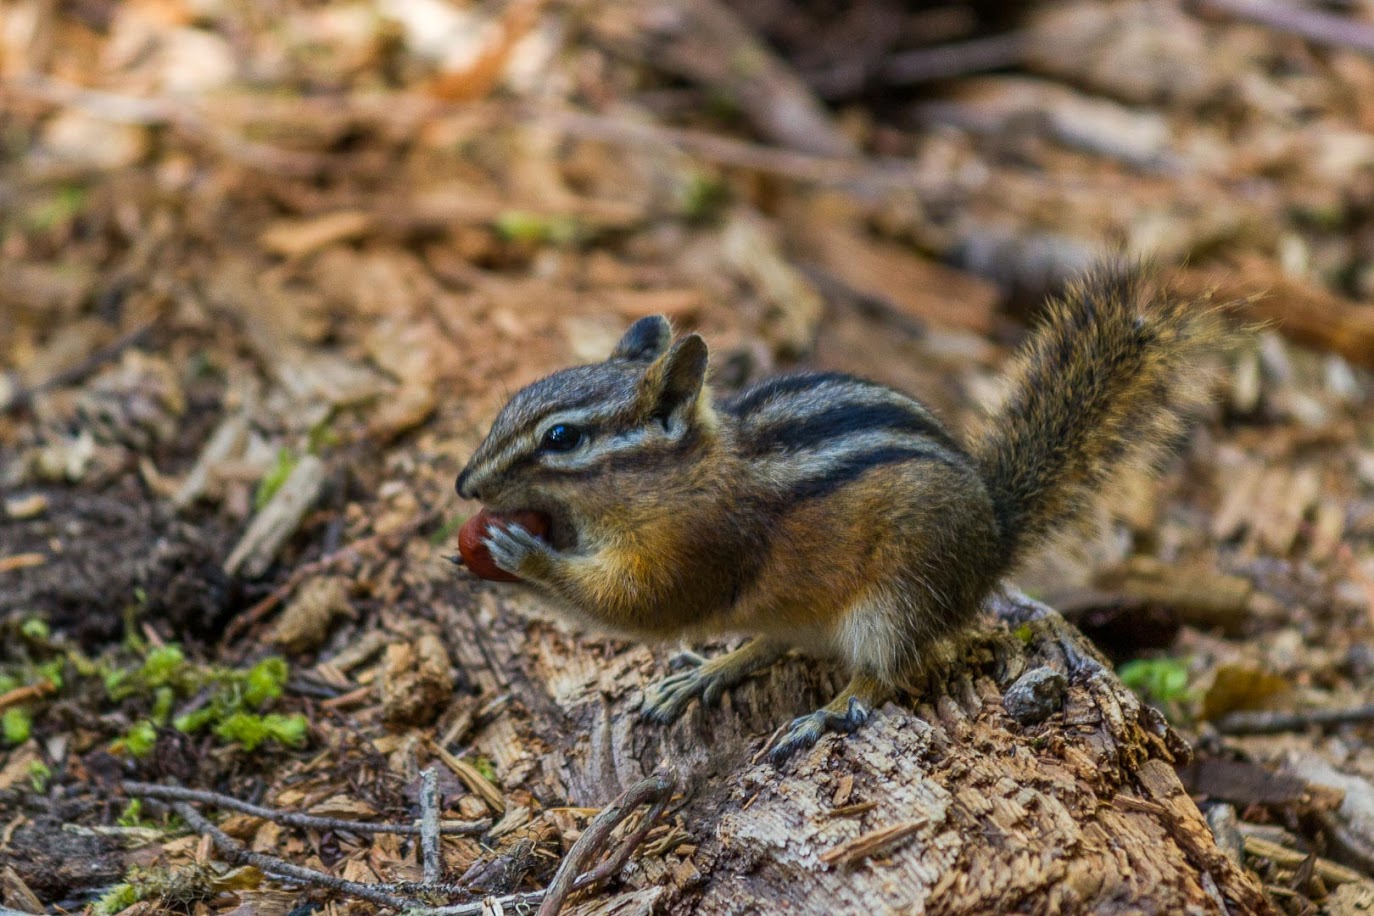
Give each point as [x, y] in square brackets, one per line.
[238, 855]
[655, 790]
[1330, 872]
[866, 174]
[278, 520]
[871, 844]
[429, 825]
[517, 903]
[709, 43]
[924, 65]
[85, 367]
[822, 170]
[1303, 21]
[172, 113]
[292, 818]
[1270, 722]
[24, 694]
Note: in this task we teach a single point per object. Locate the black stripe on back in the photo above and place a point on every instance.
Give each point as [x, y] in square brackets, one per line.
[815, 430]
[855, 466]
[783, 385]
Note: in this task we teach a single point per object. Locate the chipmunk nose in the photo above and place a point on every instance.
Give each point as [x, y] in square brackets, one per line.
[464, 485]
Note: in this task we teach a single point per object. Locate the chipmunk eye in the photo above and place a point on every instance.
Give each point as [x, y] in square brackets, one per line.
[561, 438]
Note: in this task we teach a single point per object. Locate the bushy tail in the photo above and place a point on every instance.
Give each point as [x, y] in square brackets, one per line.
[1105, 385]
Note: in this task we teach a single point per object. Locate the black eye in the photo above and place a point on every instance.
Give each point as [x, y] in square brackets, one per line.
[561, 438]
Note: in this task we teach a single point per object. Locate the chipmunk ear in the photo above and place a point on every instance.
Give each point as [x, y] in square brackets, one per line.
[645, 340]
[673, 383]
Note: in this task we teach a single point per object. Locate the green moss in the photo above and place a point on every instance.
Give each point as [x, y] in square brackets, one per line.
[15, 725]
[276, 476]
[265, 681]
[116, 899]
[322, 436]
[1163, 680]
[252, 730]
[138, 741]
[52, 672]
[132, 815]
[537, 229]
[485, 767]
[164, 666]
[702, 198]
[67, 202]
[178, 889]
[35, 629]
[40, 774]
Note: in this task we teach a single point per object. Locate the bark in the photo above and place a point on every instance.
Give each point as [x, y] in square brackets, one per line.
[957, 808]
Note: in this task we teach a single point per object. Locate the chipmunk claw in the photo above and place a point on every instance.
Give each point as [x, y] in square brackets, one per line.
[666, 701]
[806, 730]
[515, 549]
[685, 658]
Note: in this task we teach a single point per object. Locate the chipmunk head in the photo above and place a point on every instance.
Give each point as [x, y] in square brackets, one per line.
[632, 416]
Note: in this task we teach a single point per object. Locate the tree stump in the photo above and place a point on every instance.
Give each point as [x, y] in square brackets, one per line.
[947, 804]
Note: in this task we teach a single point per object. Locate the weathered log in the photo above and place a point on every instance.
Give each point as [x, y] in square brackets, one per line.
[943, 804]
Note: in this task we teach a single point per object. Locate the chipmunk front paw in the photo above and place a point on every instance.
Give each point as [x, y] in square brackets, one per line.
[806, 730]
[517, 551]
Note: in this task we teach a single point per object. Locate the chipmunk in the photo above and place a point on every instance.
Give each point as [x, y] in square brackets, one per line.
[820, 511]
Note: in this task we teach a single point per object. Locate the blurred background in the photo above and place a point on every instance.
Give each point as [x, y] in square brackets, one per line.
[268, 269]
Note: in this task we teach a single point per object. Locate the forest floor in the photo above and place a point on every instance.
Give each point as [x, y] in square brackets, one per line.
[268, 270]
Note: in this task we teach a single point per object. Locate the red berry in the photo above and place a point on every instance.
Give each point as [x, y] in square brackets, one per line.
[474, 552]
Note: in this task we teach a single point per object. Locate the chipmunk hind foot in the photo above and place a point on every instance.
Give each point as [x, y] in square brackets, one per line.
[844, 714]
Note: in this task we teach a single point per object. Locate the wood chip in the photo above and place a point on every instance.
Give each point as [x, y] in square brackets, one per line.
[298, 238]
[843, 791]
[21, 561]
[273, 526]
[871, 844]
[26, 507]
[1330, 872]
[473, 779]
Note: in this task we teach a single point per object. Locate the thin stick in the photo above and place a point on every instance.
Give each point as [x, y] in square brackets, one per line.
[292, 818]
[924, 65]
[1272, 723]
[1305, 22]
[655, 790]
[24, 694]
[74, 374]
[238, 855]
[429, 825]
[517, 903]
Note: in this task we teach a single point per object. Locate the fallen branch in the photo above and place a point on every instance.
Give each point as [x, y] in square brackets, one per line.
[1296, 19]
[235, 852]
[292, 818]
[925, 65]
[151, 112]
[26, 693]
[655, 791]
[73, 374]
[429, 825]
[1270, 722]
